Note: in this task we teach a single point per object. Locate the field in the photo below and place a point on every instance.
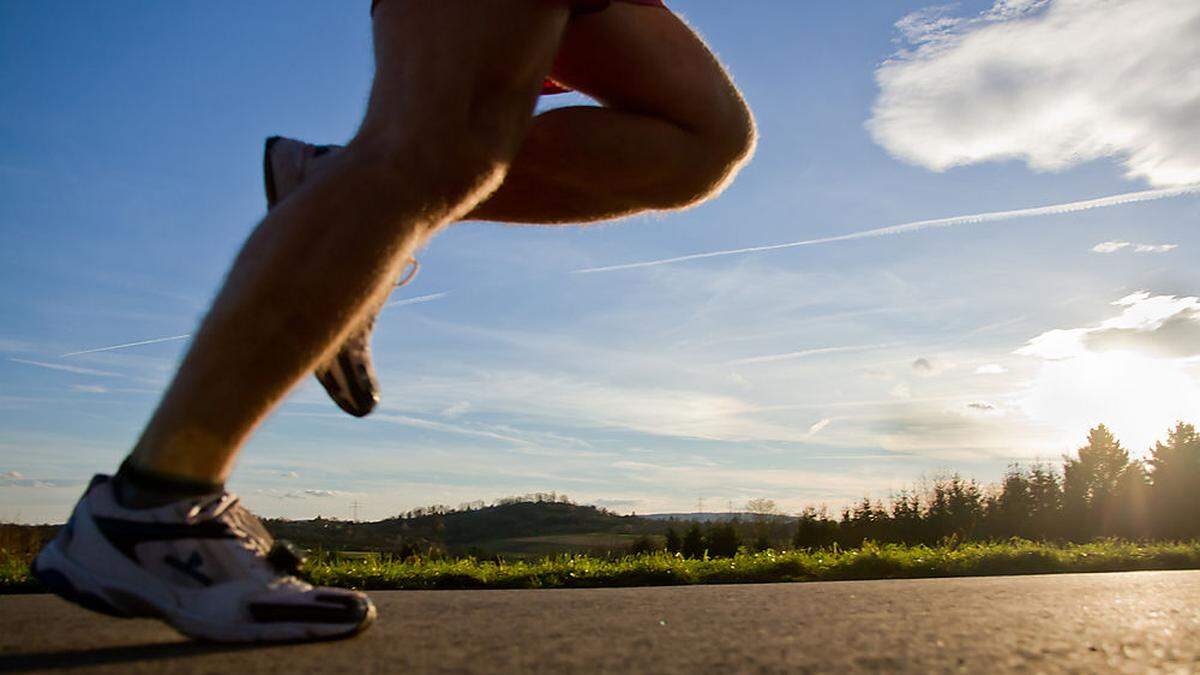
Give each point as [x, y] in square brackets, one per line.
[871, 561]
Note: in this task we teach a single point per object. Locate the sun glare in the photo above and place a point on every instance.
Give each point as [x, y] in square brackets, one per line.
[1137, 396]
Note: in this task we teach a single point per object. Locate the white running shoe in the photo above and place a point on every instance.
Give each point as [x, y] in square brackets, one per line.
[206, 566]
[348, 376]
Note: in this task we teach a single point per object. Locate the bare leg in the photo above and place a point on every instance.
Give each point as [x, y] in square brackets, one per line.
[672, 132]
[454, 90]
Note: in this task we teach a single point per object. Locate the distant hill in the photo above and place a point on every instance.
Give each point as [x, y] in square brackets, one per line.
[711, 517]
[516, 528]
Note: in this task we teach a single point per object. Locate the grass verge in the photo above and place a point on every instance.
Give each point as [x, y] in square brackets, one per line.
[871, 561]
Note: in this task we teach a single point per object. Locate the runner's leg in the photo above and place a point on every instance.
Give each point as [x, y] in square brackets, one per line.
[453, 95]
[673, 130]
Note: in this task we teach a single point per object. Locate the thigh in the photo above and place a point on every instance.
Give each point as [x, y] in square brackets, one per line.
[645, 59]
[452, 61]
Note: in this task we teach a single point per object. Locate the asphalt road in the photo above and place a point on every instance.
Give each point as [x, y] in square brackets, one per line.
[1127, 622]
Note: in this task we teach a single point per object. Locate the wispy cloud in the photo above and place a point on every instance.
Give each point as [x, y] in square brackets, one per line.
[1155, 248]
[303, 494]
[1110, 246]
[816, 428]
[65, 368]
[1114, 246]
[918, 225]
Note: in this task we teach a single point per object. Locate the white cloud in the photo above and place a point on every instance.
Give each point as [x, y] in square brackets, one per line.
[1114, 246]
[984, 408]
[1162, 326]
[1155, 248]
[816, 428]
[990, 369]
[303, 494]
[319, 493]
[901, 390]
[1125, 371]
[12, 475]
[89, 388]
[1051, 83]
[1110, 246]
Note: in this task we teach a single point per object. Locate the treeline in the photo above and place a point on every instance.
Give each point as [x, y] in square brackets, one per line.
[479, 505]
[1098, 492]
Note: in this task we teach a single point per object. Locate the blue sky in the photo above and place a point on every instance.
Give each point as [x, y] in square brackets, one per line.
[130, 145]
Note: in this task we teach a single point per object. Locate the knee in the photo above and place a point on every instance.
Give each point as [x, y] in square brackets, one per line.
[446, 158]
[720, 149]
[443, 169]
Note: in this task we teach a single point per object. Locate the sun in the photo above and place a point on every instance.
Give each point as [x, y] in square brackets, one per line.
[1139, 397]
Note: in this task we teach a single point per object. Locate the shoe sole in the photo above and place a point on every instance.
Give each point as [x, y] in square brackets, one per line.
[69, 581]
[269, 172]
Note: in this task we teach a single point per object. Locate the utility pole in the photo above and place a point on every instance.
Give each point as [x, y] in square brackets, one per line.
[354, 510]
[700, 505]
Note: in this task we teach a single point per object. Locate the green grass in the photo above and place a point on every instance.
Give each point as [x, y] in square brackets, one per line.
[872, 561]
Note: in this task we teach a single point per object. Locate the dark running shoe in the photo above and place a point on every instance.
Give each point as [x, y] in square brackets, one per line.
[205, 566]
[349, 376]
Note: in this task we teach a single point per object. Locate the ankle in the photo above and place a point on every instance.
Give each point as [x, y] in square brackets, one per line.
[139, 488]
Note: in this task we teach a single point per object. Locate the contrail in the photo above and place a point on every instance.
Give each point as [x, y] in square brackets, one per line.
[418, 299]
[70, 369]
[976, 218]
[128, 344]
[399, 303]
[771, 358]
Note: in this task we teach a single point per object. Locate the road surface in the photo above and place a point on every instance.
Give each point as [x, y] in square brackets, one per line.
[1128, 622]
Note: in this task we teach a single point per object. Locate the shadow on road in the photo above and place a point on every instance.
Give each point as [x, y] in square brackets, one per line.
[102, 656]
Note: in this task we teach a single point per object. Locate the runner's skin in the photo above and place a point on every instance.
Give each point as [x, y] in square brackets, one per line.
[449, 135]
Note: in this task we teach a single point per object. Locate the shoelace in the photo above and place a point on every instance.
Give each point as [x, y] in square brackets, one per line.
[280, 555]
[412, 266]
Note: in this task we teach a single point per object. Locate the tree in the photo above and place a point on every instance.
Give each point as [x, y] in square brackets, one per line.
[674, 544]
[643, 544]
[955, 507]
[1175, 478]
[1012, 511]
[762, 507]
[1090, 481]
[693, 542]
[723, 540]
[814, 529]
[1046, 499]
